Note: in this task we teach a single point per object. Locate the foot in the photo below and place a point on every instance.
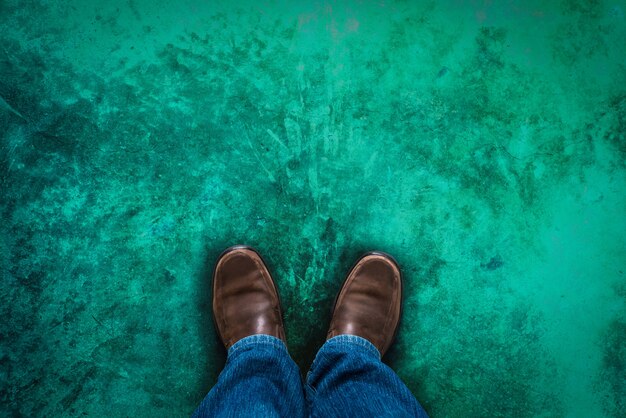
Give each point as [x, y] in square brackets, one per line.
[245, 298]
[369, 303]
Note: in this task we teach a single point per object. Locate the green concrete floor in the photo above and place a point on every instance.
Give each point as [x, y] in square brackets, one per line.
[481, 143]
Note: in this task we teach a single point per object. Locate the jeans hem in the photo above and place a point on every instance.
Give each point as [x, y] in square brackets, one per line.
[257, 340]
[349, 341]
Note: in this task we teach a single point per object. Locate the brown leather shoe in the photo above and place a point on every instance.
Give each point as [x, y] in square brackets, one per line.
[370, 301]
[245, 298]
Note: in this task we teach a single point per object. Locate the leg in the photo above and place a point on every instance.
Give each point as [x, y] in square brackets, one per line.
[259, 380]
[347, 377]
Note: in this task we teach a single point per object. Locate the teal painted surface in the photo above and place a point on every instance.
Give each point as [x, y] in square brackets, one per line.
[482, 144]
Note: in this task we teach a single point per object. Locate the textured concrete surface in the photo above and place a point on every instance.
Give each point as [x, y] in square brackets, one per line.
[481, 143]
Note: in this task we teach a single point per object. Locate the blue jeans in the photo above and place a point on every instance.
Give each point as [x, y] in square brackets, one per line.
[347, 379]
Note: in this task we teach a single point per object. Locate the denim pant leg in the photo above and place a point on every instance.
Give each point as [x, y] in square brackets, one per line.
[259, 380]
[348, 379]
